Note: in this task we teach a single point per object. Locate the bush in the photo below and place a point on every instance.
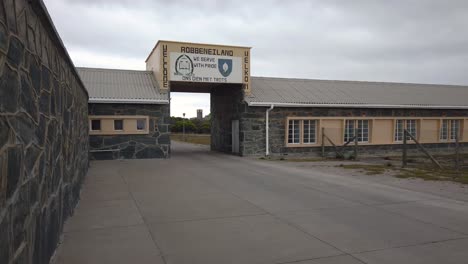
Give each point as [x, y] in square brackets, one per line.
[179, 126]
[191, 126]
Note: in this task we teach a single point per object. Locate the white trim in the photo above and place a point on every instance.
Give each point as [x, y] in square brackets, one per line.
[267, 127]
[129, 101]
[267, 104]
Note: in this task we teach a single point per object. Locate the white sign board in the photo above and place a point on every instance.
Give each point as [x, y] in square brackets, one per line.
[189, 67]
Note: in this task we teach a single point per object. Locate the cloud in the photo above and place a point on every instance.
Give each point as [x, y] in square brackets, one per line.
[402, 41]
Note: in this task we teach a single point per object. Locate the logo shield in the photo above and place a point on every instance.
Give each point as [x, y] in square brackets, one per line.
[225, 67]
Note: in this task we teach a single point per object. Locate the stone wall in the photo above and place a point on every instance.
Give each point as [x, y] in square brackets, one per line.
[225, 107]
[156, 144]
[43, 133]
[253, 128]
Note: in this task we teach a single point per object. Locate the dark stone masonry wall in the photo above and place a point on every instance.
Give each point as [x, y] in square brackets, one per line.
[253, 128]
[225, 107]
[156, 144]
[43, 133]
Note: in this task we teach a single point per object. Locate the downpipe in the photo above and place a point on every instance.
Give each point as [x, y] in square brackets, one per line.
[267, 128]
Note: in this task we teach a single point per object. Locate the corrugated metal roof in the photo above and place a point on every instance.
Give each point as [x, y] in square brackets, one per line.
[122, 86]
[292, 92]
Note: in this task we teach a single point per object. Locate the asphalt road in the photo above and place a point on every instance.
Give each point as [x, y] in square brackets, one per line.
[204, 207]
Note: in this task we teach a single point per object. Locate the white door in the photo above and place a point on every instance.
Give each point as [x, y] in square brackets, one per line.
[235, 136]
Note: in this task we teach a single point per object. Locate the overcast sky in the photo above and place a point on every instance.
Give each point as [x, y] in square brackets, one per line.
[400, 40]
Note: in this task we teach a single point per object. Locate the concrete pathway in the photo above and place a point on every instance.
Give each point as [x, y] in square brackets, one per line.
[204, 207]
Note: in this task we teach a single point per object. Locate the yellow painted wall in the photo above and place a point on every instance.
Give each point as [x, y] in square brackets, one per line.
[333, 130]
[429, 130]
[129, 125]
[382, 131]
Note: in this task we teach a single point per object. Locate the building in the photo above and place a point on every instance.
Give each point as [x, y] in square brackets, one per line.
[128, 114]
[129, 110]
[199, 114]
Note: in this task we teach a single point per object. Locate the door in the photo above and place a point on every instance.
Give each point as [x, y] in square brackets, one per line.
[235, 136]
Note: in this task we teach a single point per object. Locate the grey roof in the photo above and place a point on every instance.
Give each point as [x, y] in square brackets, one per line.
[122, 86]
[327, 93]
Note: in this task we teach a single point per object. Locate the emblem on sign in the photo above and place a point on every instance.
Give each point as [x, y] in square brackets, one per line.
[184, 65]
[225, 67]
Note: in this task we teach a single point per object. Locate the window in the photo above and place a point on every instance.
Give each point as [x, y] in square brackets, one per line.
[293, 131]
[141, 124]
[410, 125]
[95, 124]
[302, 132]
[118, 124]
[349, 130]
[309, 135]
[360, 126]
[399, 128]
[411, 128]
[454, 129]
[444, 130]
[449, 130]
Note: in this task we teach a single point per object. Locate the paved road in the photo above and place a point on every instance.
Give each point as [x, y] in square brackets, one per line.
[204, 207]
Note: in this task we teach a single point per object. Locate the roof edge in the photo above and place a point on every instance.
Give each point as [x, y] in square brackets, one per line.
[94, 100]
[356, 81]
[267, 104]
[110, 69]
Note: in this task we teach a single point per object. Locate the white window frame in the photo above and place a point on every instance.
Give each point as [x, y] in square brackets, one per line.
[457, 129]
[291, 132]
[449, 128]
[144, 120]
[409, 125]
[444, 130]
[310, 140]
[358, 126]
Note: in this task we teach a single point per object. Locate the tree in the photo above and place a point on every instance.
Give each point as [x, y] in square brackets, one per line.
[179, 126]
[205, 127]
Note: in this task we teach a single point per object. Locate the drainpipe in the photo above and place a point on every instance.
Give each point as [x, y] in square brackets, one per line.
[267, 126]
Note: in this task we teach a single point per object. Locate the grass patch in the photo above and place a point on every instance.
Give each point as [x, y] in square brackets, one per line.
[368, 169]
[434, 174]
[303, 160]
[318, 159]
[201, 139]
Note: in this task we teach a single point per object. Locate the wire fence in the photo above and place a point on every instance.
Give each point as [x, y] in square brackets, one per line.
[443, 148]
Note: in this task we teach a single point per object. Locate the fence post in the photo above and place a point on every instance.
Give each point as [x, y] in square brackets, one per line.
[355, 144]
[323, 142]
[457, 151]
[404, 157]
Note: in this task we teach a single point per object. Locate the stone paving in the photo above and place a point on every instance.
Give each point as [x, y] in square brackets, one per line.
[205, 207]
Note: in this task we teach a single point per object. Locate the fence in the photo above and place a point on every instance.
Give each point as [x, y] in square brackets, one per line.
[443, 150]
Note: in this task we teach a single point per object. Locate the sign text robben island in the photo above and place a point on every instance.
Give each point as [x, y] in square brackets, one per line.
[204, 64]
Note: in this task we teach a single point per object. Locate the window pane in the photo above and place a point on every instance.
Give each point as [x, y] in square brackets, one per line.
[95, 124]
[399, 130]
[141, 124]
[296, 131]
[363, 131]
[309, 131]
[349, 130]
[118, 124]
[444, 130]
[411, 128]
[454, 129]
[293, 131]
